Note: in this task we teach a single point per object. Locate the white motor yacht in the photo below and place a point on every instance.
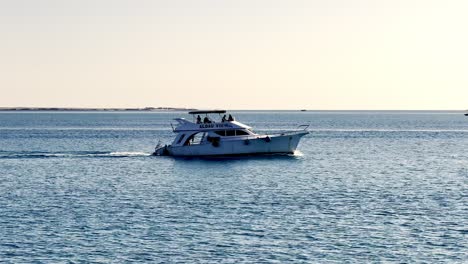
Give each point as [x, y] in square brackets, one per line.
[225, 137]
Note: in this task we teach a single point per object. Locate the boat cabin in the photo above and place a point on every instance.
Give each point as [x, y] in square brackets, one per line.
[206, 130]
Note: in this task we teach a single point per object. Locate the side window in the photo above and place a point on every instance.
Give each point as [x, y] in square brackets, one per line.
[230, 133]
[241, 133]
[221, 132]
[180, 139]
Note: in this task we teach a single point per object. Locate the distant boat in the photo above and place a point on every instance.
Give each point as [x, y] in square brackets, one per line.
[303, 110]
[466, 114]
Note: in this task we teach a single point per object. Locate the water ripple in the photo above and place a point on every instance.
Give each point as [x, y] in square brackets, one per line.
[373, 188]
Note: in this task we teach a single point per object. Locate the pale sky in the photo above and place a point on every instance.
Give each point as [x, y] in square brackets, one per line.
[253, 54]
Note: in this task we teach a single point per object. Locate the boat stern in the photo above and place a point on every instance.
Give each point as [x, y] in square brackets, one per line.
[162, 151]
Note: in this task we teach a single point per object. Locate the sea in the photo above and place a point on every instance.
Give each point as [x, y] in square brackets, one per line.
[363, 187]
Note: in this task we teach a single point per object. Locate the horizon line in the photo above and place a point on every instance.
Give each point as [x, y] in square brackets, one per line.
[162, 108]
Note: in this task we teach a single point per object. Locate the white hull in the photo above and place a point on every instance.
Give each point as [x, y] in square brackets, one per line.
[283, 143]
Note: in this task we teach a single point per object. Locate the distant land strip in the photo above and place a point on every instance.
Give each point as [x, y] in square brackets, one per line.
[145, 109]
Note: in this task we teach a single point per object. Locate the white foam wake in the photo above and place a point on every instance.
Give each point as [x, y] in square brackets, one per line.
[72, 154]
[129, 154]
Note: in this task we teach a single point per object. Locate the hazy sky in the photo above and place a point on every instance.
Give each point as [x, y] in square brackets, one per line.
[315, 54]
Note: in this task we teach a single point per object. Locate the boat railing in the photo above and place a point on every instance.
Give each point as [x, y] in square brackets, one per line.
[299, 129]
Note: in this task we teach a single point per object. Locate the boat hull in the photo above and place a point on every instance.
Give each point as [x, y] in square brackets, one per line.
[275, 144]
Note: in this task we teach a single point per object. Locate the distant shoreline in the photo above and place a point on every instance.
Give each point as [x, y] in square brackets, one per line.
[180, 109]
[65, 109]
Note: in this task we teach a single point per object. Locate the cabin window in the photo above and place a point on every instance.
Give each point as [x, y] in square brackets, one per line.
[195, 139]
[231, 133]
[187, 141]
[180, 138]
[241, 133]
[221, 132]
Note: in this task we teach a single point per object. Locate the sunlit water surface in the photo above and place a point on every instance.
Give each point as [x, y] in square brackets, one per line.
[363, 187]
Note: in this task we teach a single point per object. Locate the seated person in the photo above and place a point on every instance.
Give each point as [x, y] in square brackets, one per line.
[206, 120]
[198, 119]
[230, 118]
[223, 119]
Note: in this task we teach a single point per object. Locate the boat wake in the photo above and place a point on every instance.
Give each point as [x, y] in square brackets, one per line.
[70, 154]
[297, 153]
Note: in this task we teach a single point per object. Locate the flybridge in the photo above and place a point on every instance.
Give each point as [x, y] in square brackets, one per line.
[185, 125]
[207, 123]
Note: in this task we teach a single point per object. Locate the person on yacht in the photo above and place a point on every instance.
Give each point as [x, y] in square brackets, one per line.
[206, 120]
[223, 119]
[198, 119]
[230, 118]
[189, 140]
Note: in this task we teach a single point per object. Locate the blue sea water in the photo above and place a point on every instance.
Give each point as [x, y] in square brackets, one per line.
[81, 187]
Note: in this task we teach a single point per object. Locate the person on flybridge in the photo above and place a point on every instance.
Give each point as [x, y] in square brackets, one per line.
[207, 120]
[229, 119]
